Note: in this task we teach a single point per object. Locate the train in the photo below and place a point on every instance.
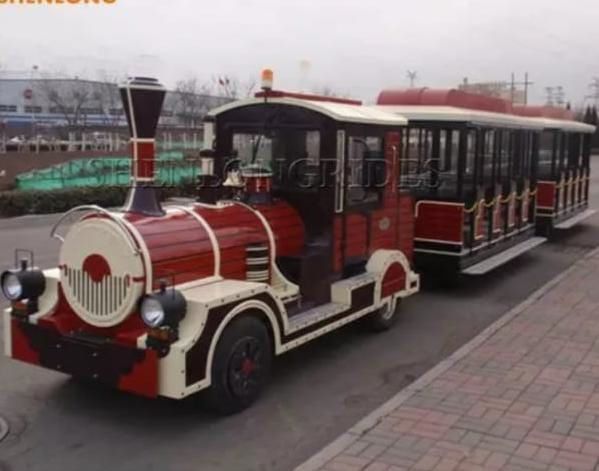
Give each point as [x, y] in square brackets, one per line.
[313, 212]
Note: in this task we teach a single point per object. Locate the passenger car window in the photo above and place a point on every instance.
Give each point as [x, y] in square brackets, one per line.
[365, 154]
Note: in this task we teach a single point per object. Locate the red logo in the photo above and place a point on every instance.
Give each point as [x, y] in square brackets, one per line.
[96, 267]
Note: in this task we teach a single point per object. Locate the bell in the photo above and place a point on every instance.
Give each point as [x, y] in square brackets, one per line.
[233, 180]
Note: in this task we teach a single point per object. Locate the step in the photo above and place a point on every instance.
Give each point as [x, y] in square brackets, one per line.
[356, 281]
[315, 315]
[503, 257]
[569, 223]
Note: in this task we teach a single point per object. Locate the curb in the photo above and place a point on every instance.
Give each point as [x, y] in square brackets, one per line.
[336, 447]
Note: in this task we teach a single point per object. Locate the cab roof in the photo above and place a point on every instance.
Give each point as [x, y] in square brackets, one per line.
[343, 112]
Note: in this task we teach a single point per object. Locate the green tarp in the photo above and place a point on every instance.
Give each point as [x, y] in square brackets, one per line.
[172, 168]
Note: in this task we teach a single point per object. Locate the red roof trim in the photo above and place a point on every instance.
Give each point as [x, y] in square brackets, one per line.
[451, 97]
[467, 100]
[306, 96]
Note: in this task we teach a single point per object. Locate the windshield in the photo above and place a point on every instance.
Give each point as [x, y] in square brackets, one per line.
[277, 147]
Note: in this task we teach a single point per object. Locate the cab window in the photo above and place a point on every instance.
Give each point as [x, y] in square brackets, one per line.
[253, 149]
[292, 155]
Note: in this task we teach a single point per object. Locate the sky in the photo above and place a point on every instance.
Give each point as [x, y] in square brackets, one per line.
[354, 47]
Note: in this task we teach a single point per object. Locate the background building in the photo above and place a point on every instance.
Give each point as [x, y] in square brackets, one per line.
[50, 106]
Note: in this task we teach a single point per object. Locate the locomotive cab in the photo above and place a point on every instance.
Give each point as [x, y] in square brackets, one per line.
[336, 163]
[300, 228]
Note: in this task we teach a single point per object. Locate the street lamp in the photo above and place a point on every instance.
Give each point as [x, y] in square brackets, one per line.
[34, 69]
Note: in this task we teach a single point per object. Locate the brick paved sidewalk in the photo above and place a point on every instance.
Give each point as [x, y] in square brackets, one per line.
[522, 396]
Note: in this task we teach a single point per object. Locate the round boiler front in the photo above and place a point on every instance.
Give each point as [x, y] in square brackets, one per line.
[102, 272]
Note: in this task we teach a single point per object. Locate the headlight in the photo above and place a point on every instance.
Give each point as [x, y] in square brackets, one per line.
[11, 286]
[152, 312]
[166, 308]
[18, 285]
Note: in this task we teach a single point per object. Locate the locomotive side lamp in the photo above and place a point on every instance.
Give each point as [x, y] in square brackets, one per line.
[142, 101]
[23, 283]
[208, 182]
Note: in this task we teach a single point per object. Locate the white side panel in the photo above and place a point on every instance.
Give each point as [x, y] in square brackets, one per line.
[49, 299]
[200, 299]
[171, 369]
[171, 374]
[7, 334]
[340, 173]
[208, 135]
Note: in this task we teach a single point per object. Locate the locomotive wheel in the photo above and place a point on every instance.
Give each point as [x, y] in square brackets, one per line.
[241, 366]
[385, 317]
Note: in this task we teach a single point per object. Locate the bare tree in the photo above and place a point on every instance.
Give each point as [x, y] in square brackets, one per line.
[106, 93]
[191, 100]
[232, 87]
[68, 98]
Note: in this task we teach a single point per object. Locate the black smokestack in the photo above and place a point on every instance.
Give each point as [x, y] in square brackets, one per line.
[142, 100]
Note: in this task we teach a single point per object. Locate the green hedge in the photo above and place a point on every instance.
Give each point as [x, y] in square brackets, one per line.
[18, 203]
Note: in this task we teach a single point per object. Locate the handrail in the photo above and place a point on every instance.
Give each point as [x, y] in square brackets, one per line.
[508, 198]
[491, 203]
[498, 199]
[472, 209]
[97, 209]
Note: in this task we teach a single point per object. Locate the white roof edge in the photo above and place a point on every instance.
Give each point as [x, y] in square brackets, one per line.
[577, 126]
[343, 112]
[450, 113]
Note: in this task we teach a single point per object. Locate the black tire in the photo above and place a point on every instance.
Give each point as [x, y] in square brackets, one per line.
[384, 318]
[241, 366]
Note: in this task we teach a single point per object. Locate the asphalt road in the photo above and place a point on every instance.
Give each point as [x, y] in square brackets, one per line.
[317, 392]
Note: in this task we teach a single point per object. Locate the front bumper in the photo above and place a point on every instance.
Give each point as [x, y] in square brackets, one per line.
[98, 359]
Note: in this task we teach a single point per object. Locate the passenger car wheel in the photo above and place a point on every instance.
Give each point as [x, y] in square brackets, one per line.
[385, 317]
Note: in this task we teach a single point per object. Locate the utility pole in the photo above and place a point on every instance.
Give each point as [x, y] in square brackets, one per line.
[594, 85]
[526, 84]
[549, 92]
[559, 96]
[412, 76]
[555, 95]
[513, 87]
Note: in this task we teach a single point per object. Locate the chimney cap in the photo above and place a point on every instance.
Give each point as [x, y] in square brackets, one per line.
[143, 83]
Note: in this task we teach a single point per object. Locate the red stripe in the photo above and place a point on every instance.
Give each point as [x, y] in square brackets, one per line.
[145, 163]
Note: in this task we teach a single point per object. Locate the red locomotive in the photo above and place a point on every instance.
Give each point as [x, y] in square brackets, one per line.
[312, 226]
[170, 301]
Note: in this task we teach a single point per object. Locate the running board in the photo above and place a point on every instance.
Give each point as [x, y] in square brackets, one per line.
[317, 314]
[569, 223]
[503, 257]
